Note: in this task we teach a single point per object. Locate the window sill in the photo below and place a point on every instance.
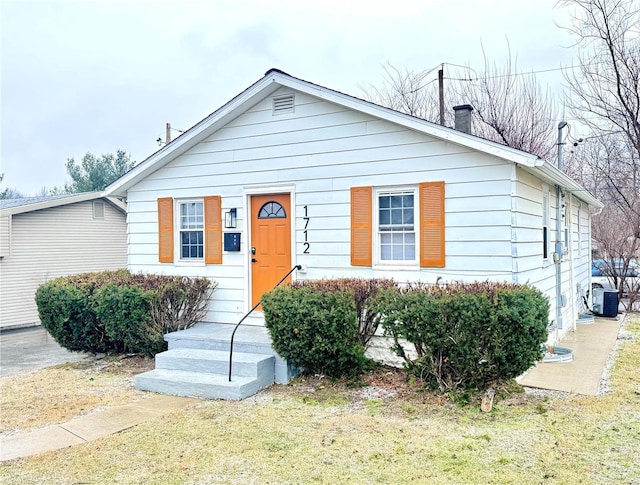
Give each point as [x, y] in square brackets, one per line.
[397, 267]
[189, 263]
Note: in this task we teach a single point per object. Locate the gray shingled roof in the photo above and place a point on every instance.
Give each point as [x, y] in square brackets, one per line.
[11, 203]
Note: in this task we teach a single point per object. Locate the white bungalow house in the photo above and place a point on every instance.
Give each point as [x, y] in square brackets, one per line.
[291, 173]
[45, 237]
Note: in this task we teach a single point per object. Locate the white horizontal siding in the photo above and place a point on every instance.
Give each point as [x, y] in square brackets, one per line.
[56, 242]
[322, 150]
[529, 266]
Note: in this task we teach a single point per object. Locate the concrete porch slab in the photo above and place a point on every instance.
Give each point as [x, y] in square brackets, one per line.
[591, 346]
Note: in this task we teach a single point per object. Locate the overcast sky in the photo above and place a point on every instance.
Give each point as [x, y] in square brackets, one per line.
[102, 75]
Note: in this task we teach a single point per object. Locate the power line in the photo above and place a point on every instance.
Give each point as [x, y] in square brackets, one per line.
[470, 79]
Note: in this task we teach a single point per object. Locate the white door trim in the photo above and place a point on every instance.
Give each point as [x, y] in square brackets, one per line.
[247, 192]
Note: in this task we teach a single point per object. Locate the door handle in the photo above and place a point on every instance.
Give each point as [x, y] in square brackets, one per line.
[253, 250]
[254, 260]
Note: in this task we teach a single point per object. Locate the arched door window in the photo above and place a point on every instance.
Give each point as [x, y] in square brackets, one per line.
[272, 210]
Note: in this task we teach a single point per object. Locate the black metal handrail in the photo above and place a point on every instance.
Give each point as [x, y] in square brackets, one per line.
[296, 267]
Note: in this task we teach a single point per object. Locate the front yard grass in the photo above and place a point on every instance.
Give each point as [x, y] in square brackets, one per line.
[318, 431]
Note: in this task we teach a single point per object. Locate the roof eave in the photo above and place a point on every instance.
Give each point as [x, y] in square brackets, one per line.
[556, 176]
[72, 199]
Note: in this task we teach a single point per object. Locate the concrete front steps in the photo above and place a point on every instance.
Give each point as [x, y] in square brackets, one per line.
[197, 363]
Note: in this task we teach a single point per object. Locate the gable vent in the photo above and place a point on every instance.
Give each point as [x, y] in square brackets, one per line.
[98, 209]
[283, 104]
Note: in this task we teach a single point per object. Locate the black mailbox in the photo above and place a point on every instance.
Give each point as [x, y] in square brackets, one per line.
[232, 241]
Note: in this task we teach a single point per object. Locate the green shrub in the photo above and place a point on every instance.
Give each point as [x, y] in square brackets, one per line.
[315, 330]
[466, 336]
[363, 290]
[117, 311]
[66, 313]
[126, 316]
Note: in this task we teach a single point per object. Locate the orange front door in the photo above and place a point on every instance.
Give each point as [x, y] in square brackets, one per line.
[270, 242]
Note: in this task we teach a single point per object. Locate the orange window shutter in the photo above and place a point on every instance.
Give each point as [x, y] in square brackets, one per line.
[361, 226]
[165, 230]
[432, 224]
[213, 230]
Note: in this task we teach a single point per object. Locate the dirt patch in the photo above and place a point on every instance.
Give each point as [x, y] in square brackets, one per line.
[389, 389]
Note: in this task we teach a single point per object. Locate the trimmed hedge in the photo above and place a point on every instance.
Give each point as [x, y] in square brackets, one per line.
[316, 329]
[66, 312]
[117, 311]
[125, 312]
[362, 290]
[466, 336]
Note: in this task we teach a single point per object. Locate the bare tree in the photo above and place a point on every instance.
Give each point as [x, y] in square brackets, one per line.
[617, 238]
[605, 97]
[605, 86]
[411, 92]
[509, 107]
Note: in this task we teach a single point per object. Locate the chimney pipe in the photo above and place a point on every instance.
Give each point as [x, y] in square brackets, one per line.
[463, 117]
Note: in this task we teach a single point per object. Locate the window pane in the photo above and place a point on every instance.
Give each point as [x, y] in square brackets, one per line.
[385, 238]
[397, 253]
[396, 216]
[410, 252]
[385, 252]
[384, 202]
[385, 216]
[396, 201]
[407, 216]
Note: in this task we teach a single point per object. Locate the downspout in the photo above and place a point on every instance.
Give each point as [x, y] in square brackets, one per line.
[557, 255]
[572, 252]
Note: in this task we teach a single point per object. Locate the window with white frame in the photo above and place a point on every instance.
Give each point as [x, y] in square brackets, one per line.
[396, 226]
[191, 228]
[545, 223]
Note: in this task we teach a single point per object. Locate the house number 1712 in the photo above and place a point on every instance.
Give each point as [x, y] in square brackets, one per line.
[306, 234]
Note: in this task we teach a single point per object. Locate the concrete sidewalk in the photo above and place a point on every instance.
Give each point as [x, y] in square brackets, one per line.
[90, 427]
[591, 345]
